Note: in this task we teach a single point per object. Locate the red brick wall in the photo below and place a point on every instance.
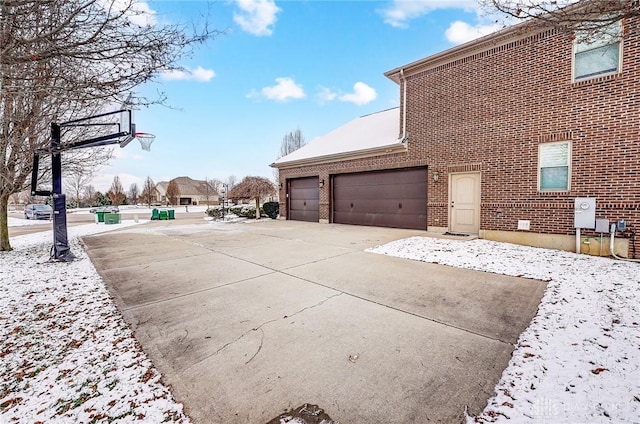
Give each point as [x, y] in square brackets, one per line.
[490, 111]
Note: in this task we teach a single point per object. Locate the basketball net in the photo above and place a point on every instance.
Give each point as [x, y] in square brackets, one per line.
[145, 140]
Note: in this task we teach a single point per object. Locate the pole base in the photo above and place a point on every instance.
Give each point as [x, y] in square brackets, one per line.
[62, 254]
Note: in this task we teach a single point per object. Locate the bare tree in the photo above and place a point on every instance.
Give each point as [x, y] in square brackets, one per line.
[231, 181]
[116, 192]
[252, 188]
[173, 193]
[291, 142]
[213, 187]
[133, 193]
[64, 59]
[89, 195]
[148, 194]
[77, 177]
[590, 16]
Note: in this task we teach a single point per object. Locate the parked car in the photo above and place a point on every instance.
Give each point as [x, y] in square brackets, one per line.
[38, 211]
[109, 208]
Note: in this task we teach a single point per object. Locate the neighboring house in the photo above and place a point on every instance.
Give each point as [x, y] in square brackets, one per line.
[496, 137]
[161, 192]
[192, 192]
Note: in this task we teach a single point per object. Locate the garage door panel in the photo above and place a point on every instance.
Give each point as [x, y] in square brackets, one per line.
[306, 193]
[382, 191]
[303, 199]
[381, 220]
[395, 198]
[304, 204]
[406, 206]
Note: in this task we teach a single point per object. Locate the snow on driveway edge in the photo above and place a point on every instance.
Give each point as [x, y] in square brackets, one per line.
[66, 354]
[579, 359]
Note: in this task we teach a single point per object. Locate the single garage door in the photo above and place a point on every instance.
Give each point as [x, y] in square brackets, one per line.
[304, 195]
[396, 198]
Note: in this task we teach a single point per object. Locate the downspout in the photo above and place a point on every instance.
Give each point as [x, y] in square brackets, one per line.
[404, 106]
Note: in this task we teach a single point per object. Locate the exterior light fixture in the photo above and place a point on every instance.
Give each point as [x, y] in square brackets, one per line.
[321, 183]
[280, 186]
[436, 176]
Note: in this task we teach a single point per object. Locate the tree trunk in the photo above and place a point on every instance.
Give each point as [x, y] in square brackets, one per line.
[4, 223]
[257, 208]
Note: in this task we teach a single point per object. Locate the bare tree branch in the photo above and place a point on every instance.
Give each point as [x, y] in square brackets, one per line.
[590, 16]
[66, 59]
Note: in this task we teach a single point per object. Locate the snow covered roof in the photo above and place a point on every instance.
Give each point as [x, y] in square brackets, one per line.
[368, 135]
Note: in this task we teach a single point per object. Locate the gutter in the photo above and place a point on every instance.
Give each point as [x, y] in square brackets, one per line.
[397, 147]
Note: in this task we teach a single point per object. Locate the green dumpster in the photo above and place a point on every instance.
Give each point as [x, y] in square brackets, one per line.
[111, 218]
[155, 214]
[164, 215]
[100, 215]
[172, 214]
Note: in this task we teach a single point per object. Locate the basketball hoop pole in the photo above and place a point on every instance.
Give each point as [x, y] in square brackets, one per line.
[60, 250]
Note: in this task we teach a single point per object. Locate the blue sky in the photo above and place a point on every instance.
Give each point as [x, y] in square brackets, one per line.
[279, 66]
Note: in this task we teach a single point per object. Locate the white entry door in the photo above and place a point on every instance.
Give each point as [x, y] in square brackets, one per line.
[464, 203]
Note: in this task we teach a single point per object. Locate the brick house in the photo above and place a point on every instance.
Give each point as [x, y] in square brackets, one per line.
[506, 132]
[192, 192]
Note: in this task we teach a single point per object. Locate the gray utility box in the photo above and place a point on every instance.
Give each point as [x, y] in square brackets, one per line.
[602, 226]
[584, 213]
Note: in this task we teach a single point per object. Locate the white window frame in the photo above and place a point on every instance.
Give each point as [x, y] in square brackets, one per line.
[568, 165]
[598, 43]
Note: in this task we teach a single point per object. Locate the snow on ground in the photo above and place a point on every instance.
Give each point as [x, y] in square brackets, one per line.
[579, 359]
[66, 354]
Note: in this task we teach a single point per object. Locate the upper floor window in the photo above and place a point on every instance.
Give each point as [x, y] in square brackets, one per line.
[554, 166]
[597, 54]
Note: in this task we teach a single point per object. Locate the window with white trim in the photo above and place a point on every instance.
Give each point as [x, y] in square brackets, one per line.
[597, 54]
[554, 166]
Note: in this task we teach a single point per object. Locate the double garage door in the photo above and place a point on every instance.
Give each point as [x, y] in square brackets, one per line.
[395, 198]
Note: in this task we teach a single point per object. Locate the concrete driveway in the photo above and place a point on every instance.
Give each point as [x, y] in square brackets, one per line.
[246, 321]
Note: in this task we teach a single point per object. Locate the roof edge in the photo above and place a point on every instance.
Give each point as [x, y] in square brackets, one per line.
[398, 146]
[504, 36]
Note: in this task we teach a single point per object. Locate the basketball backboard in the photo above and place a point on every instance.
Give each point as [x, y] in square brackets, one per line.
[98, 130]
[127, 123]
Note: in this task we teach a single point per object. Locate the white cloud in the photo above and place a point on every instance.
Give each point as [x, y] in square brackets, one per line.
[285, 89]
[401, 11]
[362, 94]
[137, 11]
[256, 16]
[460, 32]
[198, 74]
[325, 95]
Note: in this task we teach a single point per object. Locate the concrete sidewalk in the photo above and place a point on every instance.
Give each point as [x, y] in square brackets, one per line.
[246, 321]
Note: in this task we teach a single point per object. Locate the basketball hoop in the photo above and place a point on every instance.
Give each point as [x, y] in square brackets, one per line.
[145, 140]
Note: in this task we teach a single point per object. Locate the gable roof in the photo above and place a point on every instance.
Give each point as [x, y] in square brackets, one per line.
[518, 33]
[369, 135]
[188, 187]
[161, 187]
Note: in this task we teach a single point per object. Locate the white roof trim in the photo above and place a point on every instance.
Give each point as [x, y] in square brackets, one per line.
[369, 135]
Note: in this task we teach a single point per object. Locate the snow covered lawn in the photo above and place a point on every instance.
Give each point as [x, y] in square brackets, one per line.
[66, 355]
[579, 359]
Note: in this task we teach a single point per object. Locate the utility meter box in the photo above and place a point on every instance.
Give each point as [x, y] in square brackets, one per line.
[602, 226]
[584, 213]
